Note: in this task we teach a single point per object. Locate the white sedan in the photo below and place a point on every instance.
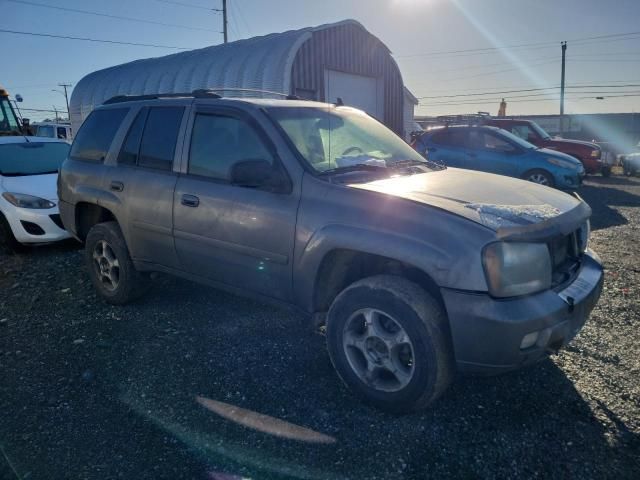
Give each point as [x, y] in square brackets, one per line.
[28, 198]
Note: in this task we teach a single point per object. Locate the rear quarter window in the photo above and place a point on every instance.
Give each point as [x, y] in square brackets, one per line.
[96, 134]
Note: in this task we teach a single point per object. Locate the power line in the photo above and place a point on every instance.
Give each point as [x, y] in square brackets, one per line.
[577, 41]
[529, 90]
[240, 15]
[472, 67]
[87, 39]
[106, 15]
[191, 5]
[489, 101]
[593, 83]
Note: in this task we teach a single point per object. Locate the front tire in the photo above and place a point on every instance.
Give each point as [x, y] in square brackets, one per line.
[8, 241]
[539, 176]
[110, 266]
[606, 171]
[389, 343]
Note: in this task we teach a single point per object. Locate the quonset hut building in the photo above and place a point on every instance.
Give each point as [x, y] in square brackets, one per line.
[338, 60]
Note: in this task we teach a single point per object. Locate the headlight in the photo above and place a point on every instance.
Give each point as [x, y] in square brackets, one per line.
[583, 236]
[27, 201]
[595, 153]
[562, 163]
[516, 268]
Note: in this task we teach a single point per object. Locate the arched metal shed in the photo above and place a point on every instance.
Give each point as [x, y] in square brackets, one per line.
[321, 63]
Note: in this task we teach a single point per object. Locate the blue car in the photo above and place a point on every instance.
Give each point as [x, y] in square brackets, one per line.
[494, 150]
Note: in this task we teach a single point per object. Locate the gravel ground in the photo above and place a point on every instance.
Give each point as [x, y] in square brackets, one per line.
[90, 391]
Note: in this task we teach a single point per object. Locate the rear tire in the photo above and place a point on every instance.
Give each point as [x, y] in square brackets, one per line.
[389, 342]
[606, 171]
[8, 241]
[539, 176]
[110, 266]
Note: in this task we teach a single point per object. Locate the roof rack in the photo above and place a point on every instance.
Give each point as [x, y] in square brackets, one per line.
[464, 119]
[199, 93]
[249, 90]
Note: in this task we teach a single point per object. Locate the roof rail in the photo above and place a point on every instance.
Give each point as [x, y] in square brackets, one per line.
[249, 90]
[199, 93]
[464, 119]
[154, 96]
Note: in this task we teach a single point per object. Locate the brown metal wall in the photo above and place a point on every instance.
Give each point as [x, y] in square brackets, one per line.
[350, 49]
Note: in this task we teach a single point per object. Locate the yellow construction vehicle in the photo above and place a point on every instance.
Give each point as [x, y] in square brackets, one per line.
[10, 123]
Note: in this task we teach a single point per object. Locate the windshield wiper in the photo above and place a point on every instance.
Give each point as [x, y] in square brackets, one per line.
[367, 167]
[425, 162]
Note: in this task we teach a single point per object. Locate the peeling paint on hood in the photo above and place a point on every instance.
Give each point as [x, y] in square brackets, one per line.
[500, 216]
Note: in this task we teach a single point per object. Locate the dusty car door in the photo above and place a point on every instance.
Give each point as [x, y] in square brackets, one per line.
[234, 210]
[145, 180]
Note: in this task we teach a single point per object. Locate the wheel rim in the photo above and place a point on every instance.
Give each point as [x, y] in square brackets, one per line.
[106, 265]
[378, 350]
[539, 178]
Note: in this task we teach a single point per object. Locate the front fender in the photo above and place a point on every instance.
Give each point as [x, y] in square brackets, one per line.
[447, 261]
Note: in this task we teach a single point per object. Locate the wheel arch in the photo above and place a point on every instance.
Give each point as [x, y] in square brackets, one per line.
[88, 214]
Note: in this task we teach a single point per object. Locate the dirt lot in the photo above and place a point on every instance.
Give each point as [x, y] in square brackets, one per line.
[93, 391]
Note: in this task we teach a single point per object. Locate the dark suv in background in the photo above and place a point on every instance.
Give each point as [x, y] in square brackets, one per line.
[588, 153]
[417, 270]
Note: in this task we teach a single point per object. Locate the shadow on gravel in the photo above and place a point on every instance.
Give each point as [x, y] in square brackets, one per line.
[602, 199]
[114, 396]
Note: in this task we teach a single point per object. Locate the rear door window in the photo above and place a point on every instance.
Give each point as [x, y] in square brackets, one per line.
[454, 137]
[62, 132]
[96, 134]
[129, 152]
[159, 139]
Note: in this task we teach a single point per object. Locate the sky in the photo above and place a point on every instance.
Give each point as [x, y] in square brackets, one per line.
[421, 34]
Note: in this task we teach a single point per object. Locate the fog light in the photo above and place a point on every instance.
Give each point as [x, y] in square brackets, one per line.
[529, 340]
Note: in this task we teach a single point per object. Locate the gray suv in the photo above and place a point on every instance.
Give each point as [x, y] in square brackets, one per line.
[417, 270]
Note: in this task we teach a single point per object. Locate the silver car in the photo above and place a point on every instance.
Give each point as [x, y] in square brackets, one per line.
[418, 271]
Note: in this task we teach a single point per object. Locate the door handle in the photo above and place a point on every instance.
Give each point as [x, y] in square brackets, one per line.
[190, 200]
[117, 186]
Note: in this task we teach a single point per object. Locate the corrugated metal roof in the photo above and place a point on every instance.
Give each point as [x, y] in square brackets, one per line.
[263, 63]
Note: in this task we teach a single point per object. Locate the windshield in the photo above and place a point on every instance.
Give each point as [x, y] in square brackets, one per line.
[342, 137]
[33, 158]
[515, 139]
[8, 122]
[540, 131]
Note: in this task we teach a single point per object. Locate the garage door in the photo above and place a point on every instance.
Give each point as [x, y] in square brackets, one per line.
[365, 93]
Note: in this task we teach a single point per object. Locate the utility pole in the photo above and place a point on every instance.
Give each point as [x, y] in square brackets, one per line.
[66, 97]
[224, 19]
[564, 52]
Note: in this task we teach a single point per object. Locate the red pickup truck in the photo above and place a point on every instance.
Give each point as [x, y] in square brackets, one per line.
[588, 153]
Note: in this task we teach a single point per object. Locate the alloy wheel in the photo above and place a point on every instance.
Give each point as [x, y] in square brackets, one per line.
[539, 178]
[107, 265]
[378, 350]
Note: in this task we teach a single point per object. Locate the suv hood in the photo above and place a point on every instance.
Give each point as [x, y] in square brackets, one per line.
[495, 201]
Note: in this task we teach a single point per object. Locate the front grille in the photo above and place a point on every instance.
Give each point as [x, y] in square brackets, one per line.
[565, 254]
[57, 220]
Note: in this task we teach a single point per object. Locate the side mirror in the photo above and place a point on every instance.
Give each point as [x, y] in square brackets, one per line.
[257, 173]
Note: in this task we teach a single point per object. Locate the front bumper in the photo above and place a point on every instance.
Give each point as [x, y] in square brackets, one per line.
[570, 181]
[49, 226]
[487, 332]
